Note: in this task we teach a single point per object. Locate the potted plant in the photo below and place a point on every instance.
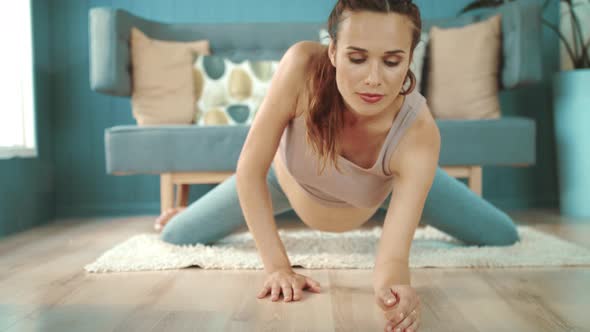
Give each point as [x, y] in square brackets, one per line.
[571, 102]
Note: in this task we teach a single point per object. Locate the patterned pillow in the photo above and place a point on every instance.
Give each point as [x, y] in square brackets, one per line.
[229, 93]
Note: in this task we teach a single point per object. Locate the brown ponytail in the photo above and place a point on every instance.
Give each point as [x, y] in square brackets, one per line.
[324, 117]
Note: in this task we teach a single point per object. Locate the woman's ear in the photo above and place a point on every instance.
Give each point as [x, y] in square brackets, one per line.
[332, 53]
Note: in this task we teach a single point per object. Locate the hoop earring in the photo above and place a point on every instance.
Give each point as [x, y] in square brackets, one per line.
[412, 83]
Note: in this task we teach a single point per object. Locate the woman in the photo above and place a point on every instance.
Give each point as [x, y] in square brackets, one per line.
[352, 103]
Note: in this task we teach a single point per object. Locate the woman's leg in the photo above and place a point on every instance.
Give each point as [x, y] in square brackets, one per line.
[456, 210]
[217, 213]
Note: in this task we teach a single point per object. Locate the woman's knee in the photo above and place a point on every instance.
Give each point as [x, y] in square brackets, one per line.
[177, 237]
[198, 225]
[493, 231]
[171, 237]
[505, 233]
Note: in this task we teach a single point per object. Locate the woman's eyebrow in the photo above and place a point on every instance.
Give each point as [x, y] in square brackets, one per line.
[363, 50]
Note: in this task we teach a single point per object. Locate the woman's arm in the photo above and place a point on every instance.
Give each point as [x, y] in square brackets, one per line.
[260, 146]
[256, 205]
[415, 170]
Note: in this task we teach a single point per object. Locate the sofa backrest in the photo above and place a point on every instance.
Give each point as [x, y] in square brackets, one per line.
[521, 62]
[110, 29]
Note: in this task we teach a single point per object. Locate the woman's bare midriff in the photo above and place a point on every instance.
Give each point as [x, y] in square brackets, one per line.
[313, 213]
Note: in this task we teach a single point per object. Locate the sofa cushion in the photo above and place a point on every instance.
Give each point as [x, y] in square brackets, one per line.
[501, 142]
[172, 148]
[163, 87]
[463, 71]
[232, 92]
[131, 149]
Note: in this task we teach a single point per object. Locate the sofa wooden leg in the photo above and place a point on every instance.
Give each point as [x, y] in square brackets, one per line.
[166, 192]
[475, 180]
[182, 193]
[473, 174]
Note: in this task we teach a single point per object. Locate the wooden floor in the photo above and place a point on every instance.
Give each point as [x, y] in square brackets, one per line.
[43, 287]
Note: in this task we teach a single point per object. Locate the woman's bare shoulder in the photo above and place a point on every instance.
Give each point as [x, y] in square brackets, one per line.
[300, 54]
[422, 135]
[298, 59]
[308, 47]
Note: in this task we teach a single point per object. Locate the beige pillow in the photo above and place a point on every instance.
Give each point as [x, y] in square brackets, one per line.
[464, 71]
[163, 86]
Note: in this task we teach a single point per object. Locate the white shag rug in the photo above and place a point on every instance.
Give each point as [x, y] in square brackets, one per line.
[355, 249]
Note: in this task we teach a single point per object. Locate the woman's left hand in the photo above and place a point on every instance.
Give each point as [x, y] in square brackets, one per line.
[403, 314]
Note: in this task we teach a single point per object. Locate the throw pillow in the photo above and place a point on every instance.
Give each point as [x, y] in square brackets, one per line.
[324, 37]
[231, 92]
[417, 63]
[163, 88]
[463, 77]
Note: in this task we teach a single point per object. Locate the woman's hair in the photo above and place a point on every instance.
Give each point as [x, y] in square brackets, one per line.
[324, 117]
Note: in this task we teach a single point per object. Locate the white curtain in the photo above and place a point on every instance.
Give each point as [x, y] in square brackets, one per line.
[17, 121]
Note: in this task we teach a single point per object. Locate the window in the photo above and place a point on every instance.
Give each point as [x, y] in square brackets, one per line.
[17, 120]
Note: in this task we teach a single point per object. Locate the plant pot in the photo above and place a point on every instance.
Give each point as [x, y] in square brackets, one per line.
[571, 107]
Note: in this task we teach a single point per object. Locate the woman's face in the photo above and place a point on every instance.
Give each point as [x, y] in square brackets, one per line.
[372, 56]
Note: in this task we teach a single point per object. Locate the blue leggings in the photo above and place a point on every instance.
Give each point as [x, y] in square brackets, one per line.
[450, 207]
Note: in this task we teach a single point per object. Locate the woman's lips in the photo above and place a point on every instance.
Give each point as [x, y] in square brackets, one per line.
[370, 98]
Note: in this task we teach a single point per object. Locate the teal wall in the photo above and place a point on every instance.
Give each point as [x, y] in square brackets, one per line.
[72, 119]
[27, 185]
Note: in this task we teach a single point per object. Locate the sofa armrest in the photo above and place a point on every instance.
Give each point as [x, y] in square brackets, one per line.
[109, 51]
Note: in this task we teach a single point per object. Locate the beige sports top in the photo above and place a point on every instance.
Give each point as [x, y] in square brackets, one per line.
[356, 186]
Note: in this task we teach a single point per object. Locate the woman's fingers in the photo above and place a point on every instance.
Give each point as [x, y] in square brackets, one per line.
[386, 299]
[263, 292]
[397, 313]
[296, 292]
[314, 285]
[409, 320]
[291, 287]
[287, 292]
[414, 326]
[406, 323]
[276, 292]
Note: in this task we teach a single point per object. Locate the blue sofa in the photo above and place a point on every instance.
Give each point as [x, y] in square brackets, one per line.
[190, 154]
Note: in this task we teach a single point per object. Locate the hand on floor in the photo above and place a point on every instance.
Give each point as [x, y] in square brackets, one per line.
[401, 306]
[289, 283]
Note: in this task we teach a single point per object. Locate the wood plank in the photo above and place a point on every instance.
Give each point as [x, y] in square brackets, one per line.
[43, 287]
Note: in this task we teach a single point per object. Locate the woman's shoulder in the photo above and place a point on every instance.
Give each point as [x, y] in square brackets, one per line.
[300, 55]
[422, 134]
[307, 48]
[297, 61]
[424, 125]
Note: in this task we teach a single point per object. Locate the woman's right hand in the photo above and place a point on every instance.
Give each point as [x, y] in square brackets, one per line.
[289, 283]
